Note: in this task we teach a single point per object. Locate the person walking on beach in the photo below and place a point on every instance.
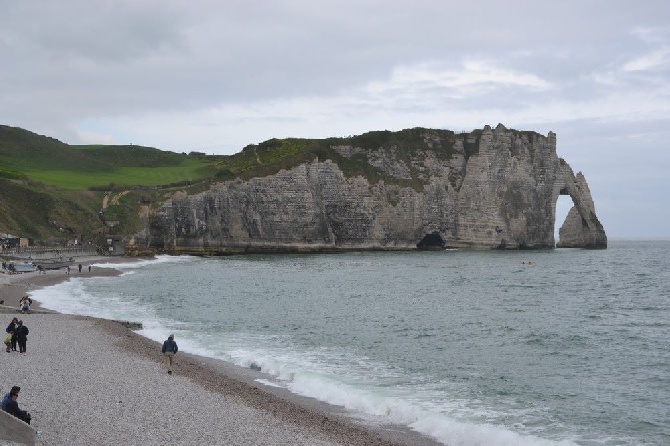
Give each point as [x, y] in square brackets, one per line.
[22, 336]
[80, 268]
[10, 405]
[169, 350]
[24, 305]
[11, 328]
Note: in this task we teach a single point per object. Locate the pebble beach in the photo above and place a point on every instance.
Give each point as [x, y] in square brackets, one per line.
[93, 381]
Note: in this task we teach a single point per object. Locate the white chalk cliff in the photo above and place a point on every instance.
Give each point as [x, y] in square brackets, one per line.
[488, 189]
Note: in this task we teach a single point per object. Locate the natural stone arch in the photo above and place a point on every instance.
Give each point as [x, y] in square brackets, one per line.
[581, 228]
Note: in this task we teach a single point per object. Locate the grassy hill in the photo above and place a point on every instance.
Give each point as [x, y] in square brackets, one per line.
[54, 163]
[49, 189]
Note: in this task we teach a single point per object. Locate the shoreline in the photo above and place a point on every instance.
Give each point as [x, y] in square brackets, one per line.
[319, 422]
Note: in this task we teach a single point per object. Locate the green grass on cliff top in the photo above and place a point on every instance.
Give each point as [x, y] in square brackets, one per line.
[187, 170]
[24, 154]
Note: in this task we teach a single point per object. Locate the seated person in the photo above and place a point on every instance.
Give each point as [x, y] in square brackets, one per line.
[10, 405]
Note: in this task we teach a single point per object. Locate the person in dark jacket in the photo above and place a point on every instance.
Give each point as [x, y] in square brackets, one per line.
[169, 350]
[10, 405]
[21, 336]
[11, 328]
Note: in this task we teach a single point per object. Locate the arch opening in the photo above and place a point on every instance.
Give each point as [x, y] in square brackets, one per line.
[563, 206]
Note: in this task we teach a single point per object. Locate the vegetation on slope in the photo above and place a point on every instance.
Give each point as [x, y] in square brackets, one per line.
[49, 189]
[31, 210]
[57, 164]
[269, 157]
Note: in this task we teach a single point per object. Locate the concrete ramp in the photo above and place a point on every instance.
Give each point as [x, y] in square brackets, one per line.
[16, 431]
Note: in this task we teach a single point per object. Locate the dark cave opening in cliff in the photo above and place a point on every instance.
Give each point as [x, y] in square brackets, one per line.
[431, 241]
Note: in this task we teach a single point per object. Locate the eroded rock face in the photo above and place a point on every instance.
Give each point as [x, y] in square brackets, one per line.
[496, 189]
[581, 228]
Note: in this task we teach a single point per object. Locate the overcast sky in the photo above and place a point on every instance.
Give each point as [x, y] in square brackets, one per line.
[214, 76]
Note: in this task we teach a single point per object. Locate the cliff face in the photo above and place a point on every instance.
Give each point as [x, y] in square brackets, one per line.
[490, 189]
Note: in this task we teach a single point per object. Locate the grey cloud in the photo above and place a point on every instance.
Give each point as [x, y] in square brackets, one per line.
[221, 75]
[100, 32]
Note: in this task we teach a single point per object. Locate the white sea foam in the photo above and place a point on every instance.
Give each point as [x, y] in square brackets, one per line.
[71, 298]
[469, 434]
[297, 372]
[373, 406]
[267, 382]
[161, 259]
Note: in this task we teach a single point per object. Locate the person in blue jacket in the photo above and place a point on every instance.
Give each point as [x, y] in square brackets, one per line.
[169, 350]
[10, 405]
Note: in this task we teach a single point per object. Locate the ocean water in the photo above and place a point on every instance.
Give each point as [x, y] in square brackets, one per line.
[470, 348]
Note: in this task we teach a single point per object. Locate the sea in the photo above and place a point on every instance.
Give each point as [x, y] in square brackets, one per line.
[555, 347]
